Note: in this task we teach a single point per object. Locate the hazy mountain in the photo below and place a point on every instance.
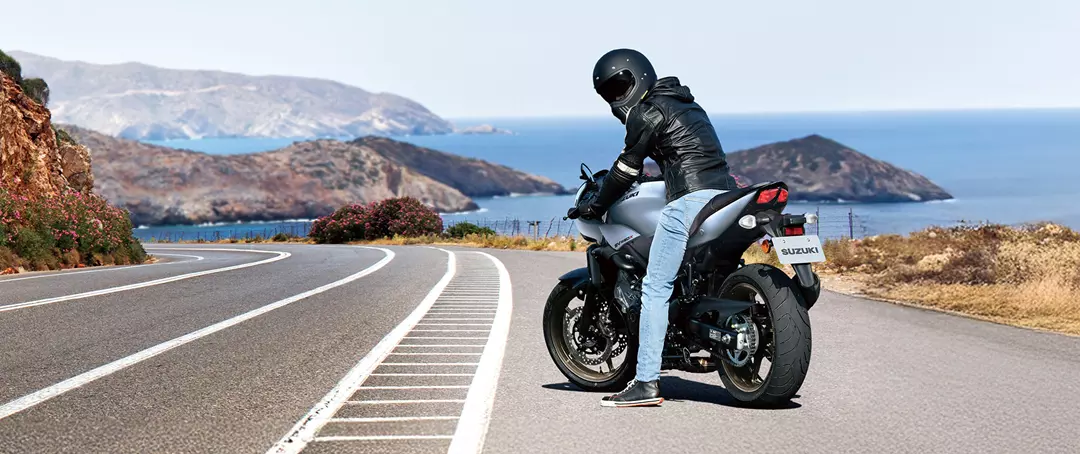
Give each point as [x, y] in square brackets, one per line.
[138, 101]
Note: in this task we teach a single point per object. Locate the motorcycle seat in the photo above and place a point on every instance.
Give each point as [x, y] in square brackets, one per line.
[720, 201]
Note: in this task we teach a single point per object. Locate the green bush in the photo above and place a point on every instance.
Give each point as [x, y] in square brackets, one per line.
[10, 67]
[32, 245]
[36, 89]
[461, 229]
[344, 225]
[63, 136]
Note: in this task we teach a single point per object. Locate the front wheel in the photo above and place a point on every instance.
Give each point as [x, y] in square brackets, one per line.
[603, 357]
[774, 333]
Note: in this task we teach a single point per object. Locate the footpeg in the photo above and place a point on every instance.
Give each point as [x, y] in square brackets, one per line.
[699, 365]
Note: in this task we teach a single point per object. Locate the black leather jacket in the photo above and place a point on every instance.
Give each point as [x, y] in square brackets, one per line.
[673, 130]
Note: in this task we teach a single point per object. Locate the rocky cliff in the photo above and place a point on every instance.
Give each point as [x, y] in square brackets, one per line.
[818, 169]
[33, 161]
[473, 177]
[139, 101]
[161, 185]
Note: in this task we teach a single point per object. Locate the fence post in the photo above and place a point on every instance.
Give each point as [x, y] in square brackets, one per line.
[817, 227]
[851, 224]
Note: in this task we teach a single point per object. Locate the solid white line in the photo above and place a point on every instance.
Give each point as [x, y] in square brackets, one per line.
[429, 317]
[453, 324]
[414, 387]
[450, 331]
[394, 419]
[473, 425]
[112, 268]
[279, 256]
[384, 437]
[304, 431]
[42, 395]
[408, 401]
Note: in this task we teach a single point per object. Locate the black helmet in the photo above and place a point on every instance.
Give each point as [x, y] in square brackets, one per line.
[622, 77]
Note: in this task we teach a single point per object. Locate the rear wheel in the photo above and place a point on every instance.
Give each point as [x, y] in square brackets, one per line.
[603, 357]
[774, 352]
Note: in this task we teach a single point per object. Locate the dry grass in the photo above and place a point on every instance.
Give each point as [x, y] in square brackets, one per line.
[1027, 276]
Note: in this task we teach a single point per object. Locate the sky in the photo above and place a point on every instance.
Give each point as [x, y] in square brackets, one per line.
[500, 58]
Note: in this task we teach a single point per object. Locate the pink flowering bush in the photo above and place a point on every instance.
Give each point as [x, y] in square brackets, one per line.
[65, 230]
[402, 216]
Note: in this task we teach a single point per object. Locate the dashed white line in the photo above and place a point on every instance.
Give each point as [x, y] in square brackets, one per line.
[304, 431]
[416, 387]
[278, 256]
[405, 401]
[42, 395]
[384, 437]
[384, 374]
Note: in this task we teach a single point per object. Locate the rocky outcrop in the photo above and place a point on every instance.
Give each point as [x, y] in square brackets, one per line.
[161, 185]
[473, 177]
[817, 169]
[32, 160]
[138, 101]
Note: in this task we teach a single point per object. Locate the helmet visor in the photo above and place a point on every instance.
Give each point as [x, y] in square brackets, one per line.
[617, 87]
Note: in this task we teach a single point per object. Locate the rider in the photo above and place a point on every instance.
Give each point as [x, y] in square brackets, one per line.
[663, 123]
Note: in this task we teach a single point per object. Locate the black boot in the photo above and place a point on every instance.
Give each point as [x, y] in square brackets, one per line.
[636, 394]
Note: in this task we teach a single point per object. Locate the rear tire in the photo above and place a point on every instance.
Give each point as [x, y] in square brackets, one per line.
[790, 336]
[554, 323]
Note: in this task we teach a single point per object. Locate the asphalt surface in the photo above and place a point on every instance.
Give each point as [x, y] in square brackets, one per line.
[236, 356]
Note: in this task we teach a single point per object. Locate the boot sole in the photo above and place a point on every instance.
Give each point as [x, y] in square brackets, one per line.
[636, 403]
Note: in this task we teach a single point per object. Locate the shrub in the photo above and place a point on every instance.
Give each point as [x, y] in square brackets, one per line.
[11, 67]
[403, 216]
[36, 89]
[63, 136]
[461, 229]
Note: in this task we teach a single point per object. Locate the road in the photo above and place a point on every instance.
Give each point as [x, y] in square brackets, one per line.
[282, 348]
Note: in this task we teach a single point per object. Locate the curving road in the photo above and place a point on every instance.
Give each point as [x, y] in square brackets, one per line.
[289, 348]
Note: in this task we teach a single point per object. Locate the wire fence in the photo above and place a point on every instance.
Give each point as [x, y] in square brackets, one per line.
[831, 226]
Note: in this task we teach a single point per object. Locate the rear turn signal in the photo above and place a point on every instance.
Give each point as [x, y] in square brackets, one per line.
[793, 230]
[766, 246]
[767, 195]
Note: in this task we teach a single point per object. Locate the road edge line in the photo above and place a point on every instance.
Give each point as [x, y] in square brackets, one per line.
[480, 401]
[57, 389]
[151, 283]
[304, 431]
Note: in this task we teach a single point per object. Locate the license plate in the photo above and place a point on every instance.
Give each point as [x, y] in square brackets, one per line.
[798, 249]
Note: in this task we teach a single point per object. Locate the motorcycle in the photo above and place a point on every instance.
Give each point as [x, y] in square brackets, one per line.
[742, 317]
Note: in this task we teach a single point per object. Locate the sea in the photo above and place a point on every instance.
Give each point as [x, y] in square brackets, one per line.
[1002, 166]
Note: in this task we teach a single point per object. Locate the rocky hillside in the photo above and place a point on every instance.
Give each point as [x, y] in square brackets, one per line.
[33, 159]
[161, 185]
[818, 169]
[474, 177]
[139, 101]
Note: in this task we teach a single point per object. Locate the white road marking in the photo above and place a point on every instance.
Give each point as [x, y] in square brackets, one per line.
[473, 424]
[416, 387]
[383, 374]
[394, 419]
[430, 364]
[440, 337]
[450, 331]
[111, 268]
[42, 395]
[453, 324]
[384, 437]
[437, 354]
[406, 401]
[278, 256]
[304, 431]
[441, 345]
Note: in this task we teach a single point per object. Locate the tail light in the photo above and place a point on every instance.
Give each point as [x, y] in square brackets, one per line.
[793, 230]
[783, 196]
[767, 195]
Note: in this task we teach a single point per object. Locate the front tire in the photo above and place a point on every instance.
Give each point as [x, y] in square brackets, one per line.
[785, 337]
[561, 351]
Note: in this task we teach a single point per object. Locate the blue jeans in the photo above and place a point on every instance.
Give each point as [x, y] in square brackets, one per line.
[665, 258]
